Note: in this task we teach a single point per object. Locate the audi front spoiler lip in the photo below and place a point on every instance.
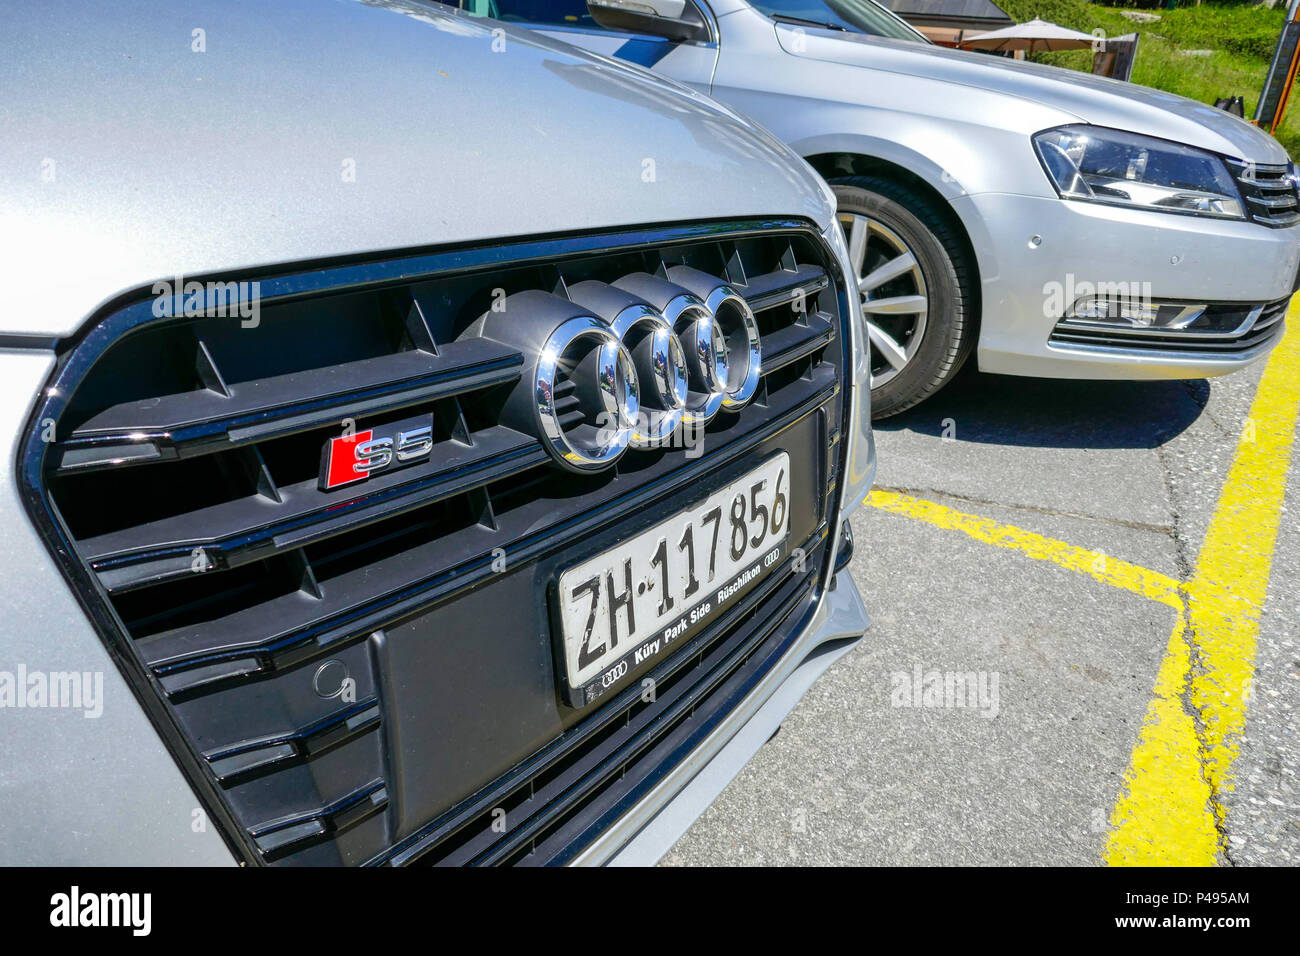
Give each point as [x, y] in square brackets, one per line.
[647, 831]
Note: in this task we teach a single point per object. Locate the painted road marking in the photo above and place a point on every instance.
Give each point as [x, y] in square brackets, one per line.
[1163, 813]
[1180, 766]
[1108, 570]
[1169, 811]
[1166, 800]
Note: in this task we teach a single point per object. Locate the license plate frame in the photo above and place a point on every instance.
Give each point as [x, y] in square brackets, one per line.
[582, 591]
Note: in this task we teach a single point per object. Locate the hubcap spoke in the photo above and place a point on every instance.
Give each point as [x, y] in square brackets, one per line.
[894, 353]
[859, 233]
[898, 266]
[896, 305]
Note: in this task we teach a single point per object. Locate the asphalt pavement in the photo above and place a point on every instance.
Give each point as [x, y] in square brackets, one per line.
[1039, 683]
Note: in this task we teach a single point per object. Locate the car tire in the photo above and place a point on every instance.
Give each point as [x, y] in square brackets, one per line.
[895, 229]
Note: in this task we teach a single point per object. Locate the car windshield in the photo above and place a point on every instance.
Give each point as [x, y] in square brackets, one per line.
[855, 16]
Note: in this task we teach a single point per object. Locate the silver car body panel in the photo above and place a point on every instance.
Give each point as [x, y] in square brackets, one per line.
[87, 785]
[299, 135]
[1180, 256]
[143, 184]
[962, 122]
[966, 78]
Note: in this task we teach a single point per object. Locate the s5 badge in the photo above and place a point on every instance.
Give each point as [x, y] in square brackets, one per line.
[354, 457]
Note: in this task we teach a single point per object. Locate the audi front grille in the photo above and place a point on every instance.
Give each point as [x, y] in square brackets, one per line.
[367, 674]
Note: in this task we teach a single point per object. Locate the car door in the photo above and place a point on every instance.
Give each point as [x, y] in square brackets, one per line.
[690, 62]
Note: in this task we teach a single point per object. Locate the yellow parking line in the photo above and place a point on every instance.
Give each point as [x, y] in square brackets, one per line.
[1108, 570]
[1177, 767]
[1231, 581]
[1163, 813]
[1165, 806]
[1168, 811]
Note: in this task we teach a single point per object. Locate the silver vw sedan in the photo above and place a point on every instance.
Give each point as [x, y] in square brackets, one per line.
[1052, 223]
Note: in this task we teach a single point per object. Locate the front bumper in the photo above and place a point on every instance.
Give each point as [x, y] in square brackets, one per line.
[647, 831]
[1159, 255]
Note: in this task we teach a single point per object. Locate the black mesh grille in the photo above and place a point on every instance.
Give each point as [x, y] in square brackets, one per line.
[182, 491]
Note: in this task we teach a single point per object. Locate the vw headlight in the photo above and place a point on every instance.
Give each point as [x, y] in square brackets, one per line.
[1124, 169]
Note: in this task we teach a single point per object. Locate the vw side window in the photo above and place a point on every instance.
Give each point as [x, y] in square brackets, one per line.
[567, 13]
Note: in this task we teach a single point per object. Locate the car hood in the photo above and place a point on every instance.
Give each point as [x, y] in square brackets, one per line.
[1092, 99]
[146, 139]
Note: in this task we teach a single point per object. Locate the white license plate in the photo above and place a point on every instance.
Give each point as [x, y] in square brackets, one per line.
[630, 603]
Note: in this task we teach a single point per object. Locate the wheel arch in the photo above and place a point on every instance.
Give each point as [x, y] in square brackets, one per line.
[834, 164]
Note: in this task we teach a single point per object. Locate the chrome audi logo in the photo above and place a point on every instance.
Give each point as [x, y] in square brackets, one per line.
[607, 367]
[628, 364]
[647, 357]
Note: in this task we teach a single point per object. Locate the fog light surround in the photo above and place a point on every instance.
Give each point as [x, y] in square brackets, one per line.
[1135, 313]
[1165, 319]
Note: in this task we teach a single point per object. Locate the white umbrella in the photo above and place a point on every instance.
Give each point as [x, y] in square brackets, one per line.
[1036, 36]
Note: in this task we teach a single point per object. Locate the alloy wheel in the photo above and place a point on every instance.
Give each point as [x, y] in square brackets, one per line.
[894, 299]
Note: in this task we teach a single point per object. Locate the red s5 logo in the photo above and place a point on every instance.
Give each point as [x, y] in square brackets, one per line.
[351, 458]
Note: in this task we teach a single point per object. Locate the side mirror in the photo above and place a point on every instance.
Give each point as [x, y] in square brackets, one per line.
[671, 19]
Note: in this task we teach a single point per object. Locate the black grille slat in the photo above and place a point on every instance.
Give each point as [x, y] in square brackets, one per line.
[1278, 185]
[183, 496]
[1273, 202]
[1279, 220]
[796, 342]
[245, 758]
[280, 837]
[253, 528]
[782, 286]
[203, 421]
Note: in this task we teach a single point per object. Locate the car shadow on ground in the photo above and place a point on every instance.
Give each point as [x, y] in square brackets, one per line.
[1055, 413]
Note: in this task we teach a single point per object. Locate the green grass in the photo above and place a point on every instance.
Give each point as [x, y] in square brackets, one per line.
[1241, 39]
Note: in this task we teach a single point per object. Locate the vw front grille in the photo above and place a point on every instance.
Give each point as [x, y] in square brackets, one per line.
[1269, 191]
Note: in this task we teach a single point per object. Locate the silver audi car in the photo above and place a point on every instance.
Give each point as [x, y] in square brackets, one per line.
[428, 443]
[1052, 222]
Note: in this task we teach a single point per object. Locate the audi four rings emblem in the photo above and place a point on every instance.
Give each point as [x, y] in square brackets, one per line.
[654, 357]
[614, 366]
